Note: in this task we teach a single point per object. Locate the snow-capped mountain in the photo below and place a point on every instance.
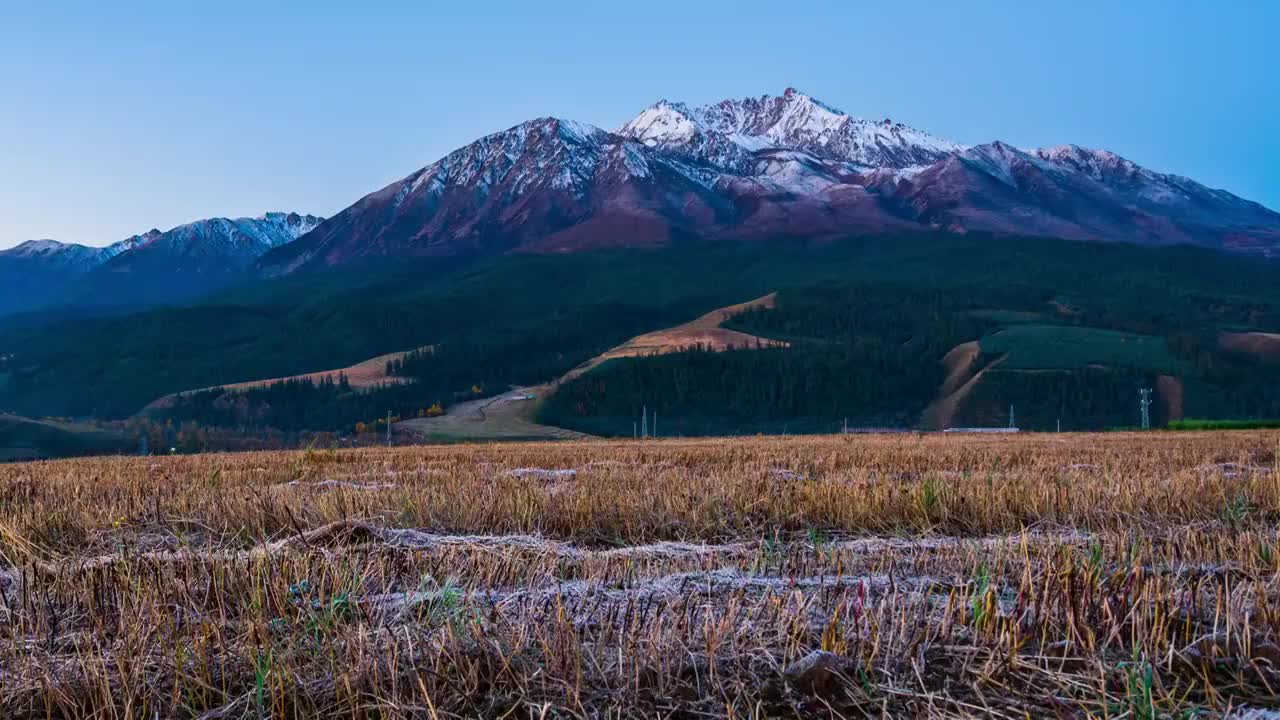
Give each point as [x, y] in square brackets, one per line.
[731, 133]
[39, 271]
[774, 166]
[548, 183]
[55, 254]
[211, 245]
[189, 260]
[1078, 193]
[154, 266]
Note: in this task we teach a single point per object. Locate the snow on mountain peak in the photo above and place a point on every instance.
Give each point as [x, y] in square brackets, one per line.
[801, 113]
[1098, 164]
[252, 235]
[517, 156]
[212, 237]
[791, 121]
[291, 225]
[32, 248]
[660, 123]
[69, 256]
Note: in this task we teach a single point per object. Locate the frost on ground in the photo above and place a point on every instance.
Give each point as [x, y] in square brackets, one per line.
[891, 577]
[543, 473]
[347, 534]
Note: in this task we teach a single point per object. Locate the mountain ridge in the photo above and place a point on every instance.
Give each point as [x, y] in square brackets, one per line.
[774, 166]
[154, 266]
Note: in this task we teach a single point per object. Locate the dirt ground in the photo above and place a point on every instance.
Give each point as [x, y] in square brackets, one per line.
[508, 416]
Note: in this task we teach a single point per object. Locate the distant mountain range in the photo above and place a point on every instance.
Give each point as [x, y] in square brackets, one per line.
[786, 166]
[155, 266]
[777, 166]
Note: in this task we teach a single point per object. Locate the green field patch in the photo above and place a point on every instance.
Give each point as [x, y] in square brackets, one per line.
[1063, 347]
[1220, 424]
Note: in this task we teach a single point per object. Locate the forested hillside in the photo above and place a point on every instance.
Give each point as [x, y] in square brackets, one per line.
[867, 352]
[868, 320]
[1063, 349]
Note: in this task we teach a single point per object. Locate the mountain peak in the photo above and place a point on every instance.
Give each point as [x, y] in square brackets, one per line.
[1094, 162]
[552, 127]
[256, 235]
[794, 96]
[39, 247]
[661, 123]
[55, 254]
[728, 133]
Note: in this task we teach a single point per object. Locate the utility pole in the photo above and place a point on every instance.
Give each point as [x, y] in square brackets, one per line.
[388, 428]
[644, 421]
[1145, 404]
[1012, 423]
[655, 423]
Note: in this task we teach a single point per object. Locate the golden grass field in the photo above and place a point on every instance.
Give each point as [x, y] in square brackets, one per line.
[1116, 575]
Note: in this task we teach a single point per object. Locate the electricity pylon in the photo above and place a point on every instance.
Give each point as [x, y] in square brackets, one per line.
[1145, 404]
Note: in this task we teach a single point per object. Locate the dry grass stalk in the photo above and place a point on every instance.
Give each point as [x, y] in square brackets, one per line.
[1109, 576]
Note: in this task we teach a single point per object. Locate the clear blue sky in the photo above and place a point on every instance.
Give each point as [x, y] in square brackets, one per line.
[118, 117]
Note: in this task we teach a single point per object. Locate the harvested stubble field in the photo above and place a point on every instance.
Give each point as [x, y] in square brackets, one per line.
[1133, 576]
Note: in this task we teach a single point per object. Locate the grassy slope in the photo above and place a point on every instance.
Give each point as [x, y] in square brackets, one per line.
[704, 331]
[1058, 347]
